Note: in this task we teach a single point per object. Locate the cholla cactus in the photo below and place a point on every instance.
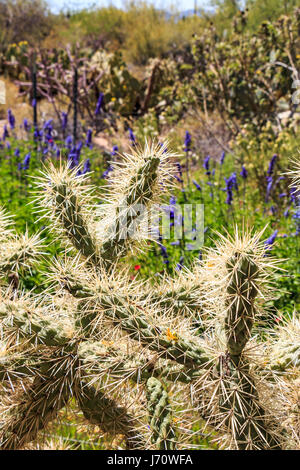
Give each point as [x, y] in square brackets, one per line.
[143, 362]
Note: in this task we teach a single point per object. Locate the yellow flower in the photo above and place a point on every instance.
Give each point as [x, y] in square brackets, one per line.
[113, 99]
[171, 336]
[107, 343]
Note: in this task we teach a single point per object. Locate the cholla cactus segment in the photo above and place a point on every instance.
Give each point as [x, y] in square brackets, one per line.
[241, 292]
[16, 366]
[180, 296]
[147, 331]
[142, 175]
[103, 359]
[292, 409]
[238, 273]
[133, 189]
[31, 410]
[285, 345]
[19, 253]
[23, 321]
[249, 425]
[111, 417]
[66, 199]
[101, 301]
[160, 416]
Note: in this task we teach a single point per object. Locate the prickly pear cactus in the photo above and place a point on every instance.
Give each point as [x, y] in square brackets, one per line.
[147, 362]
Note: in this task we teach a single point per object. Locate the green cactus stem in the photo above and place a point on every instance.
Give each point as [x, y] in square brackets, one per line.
[39, 404]
[160, 420]
[111, 418]
[69, 212]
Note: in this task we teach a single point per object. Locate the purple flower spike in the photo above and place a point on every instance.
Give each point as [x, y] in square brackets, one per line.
[5, 132]
[11, 119]
[114, 150]
[26, 125]
[270, 241]
[64, 120]
[271, 165]
[88, 140]
[99, 104]
[187, 141]
[26, 161]
[244, 172]
[86, 167]
[197, 185]
[206, 164]
[132, 137]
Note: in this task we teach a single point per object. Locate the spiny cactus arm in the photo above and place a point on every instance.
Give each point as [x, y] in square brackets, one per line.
[28, 323]
[99, 360]
[132, 319]
[18, 254]
[134, 186]
[160, 416]
[111, 417]
[250, 426]
[65, 197]
[174, 297]
[146, 331]
[239, 398]
[286, 359]
[140, 191]
[241, 292]
[17, 366]
[36, 405]
[284, 345]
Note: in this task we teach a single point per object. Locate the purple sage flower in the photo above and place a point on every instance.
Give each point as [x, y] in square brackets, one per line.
[270, 241]
[114, 151]
[206, 164]
[88, 140]
[26, 125]
[197, 185]
[132, 137]
[86, 166]
[99, 104]
[11, 119]
[271, 165]
[187, 141]
[26, 161]
[244, 172]
[64, 120]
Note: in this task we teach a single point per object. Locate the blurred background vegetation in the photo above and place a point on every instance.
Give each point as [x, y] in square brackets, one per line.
[139, 30]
